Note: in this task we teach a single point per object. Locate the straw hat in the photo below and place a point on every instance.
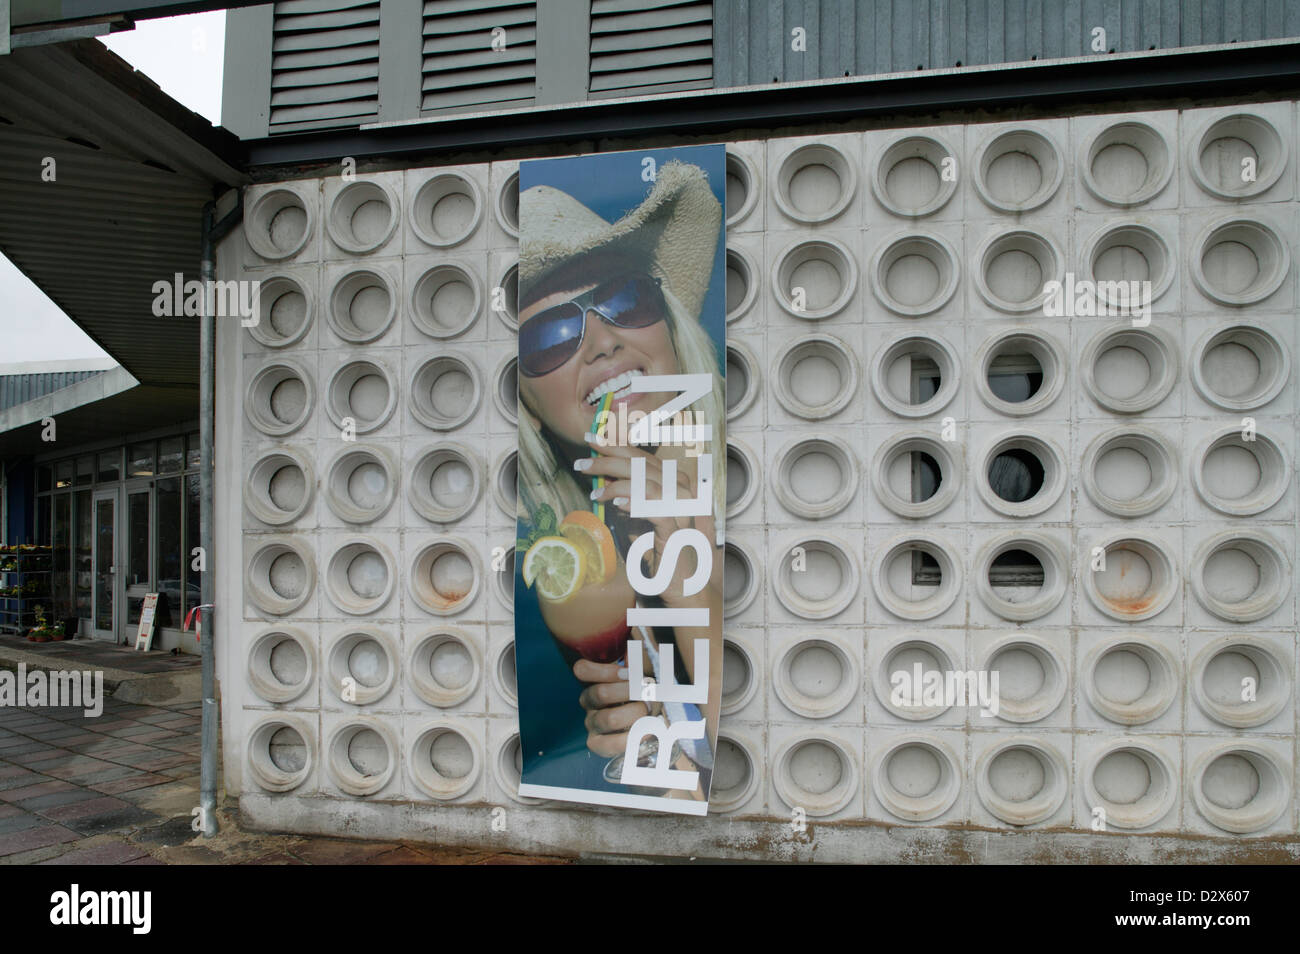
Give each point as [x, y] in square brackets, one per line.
[673, 233]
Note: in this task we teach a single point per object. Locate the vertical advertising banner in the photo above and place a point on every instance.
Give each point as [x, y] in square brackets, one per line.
[622, 466]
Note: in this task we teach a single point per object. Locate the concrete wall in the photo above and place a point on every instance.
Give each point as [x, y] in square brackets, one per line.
[1164, 525]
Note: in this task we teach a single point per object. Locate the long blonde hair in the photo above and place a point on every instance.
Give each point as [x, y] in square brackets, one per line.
[543, 479]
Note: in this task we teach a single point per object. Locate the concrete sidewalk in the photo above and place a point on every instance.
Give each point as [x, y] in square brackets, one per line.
[120, 789]
[156, 677]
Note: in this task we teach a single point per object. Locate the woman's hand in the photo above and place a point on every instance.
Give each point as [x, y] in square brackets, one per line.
[610, 713]
[615, 464]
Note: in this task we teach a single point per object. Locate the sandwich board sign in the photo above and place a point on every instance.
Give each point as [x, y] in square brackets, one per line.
[144, 635]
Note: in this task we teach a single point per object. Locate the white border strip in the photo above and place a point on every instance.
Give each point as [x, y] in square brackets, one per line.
[654, 803]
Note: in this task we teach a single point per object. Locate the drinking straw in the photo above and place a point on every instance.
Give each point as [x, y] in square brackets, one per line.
[599, 508]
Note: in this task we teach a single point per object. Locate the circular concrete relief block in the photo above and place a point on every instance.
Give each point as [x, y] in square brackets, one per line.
[915, 274]
[1238, 156]
[362, 392]
[1239, 368]
[1032, 677]
[444, 668]
[815, 678]
[509, 284]
[1022, 475]
[362, 217]
[1021, 781]
[447, 209]
[816, 477]
[279, 398]
[816, 377]
[506, 393]
[509, 768]
[445, 301]
[915, 376]
[901, 660]
[742, 188]
[1241, 787]
[1020, 372]
[815, 184]
[505, 482]
[742, 284]
[743, 479]
[1129, 370]
[1119, 256]
[1241, 575]
[825, 582]
[445, 761]
[361, 483]
[280, 576]
[278, 224]
[815, 279]
[362, 757]
[911, 465]
[917, 779]
[504, 580]
[740, 579]
[1239, 261]
[1238, 476]
[285, 311]
[445, 392]
[281, 664]
[909, 177]
[1240, 682]
[362, 666]
[445, 484]
[739, 682]
[1133, 782]
[279, 486]
[1130, 471]
[504, 673]
[362, 306]
[819, 775]
[1127, 164]
[1011, 558]
[735, 776]
[507, 205]
[1131, 681]
[360, 576]
[1018, 170]
[280, 753]
[1013, 269]
[916, 576]
[742, 379]
[1138, 581]
[444, 577]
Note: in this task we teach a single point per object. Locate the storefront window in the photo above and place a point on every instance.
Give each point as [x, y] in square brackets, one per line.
[63, 474]
[139, 460]
[167, 535]
[85, 471]
[43, 521]
[44, 477]
[110, 465]
[193, 452]
[171, 455]
[192, 581]
[61, 593]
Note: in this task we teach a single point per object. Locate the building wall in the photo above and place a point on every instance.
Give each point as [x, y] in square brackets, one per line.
[1164, 526]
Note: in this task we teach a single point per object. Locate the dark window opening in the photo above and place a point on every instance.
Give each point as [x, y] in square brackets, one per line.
[925, 569]
[926, 379]
[1016, 475]
[1016, 568]
[1015, 377]
[926, 476]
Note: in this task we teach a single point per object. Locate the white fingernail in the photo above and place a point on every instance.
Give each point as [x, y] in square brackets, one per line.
[595, 494]
[620, 501]
[583, 464]
[622, 673]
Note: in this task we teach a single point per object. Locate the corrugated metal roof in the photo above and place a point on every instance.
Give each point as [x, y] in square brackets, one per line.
[133, 170]
[18, 389]
[755, 41]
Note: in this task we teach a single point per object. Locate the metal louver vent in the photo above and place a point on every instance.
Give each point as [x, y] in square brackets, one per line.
[478, 53]
[324, 63]
[641, 46]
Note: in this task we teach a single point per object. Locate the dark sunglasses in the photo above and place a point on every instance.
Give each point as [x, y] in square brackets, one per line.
[551, 337]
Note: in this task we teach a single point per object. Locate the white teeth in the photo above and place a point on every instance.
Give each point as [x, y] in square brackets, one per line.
[617, 384]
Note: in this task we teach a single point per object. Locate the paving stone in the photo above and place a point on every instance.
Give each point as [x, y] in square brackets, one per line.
[47, 787]
[116, 853]
[58, 799]
[20, 822]
[35, 838]
[337, 852]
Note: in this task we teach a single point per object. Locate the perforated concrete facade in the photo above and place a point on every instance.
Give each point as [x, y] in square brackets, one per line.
[875, 279]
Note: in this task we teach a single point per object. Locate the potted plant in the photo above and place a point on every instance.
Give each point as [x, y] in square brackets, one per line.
[44, 632]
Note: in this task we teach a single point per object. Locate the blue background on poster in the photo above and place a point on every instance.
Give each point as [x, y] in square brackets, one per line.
[553, 740]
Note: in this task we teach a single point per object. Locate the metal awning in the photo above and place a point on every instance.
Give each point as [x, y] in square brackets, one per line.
[132, 169]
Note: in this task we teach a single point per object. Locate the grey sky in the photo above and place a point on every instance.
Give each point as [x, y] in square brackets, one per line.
[183, 55]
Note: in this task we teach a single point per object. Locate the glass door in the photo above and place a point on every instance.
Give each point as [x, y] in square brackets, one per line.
[104, 602]
[138, 579]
